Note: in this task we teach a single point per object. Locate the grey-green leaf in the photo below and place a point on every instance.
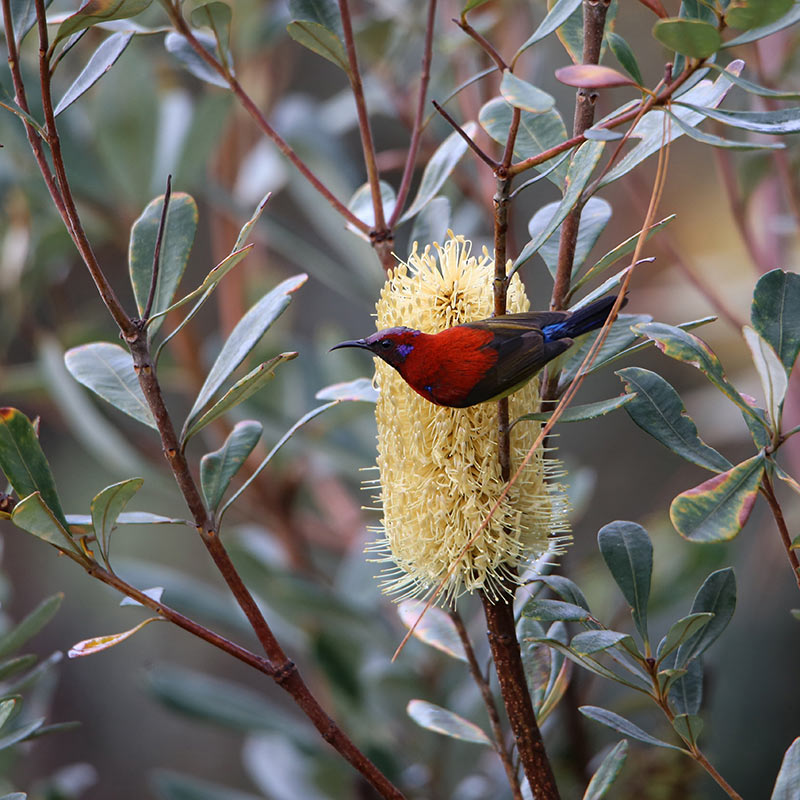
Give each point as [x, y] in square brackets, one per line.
[688, 727]
[317, 25]
[94, 11]
[690, 37]
[438, 169]
[431, 224]
[566, 589]
[771, 373]
[23, 17]
[244, 337]
[624, 726]
[588, 642]
[217, 17]
[438, 719]
[178, 46]
[686, 693]
[658, 410]
[106, 508]
[99, 63]
[34, 516]
[107, 369]
[11, 641]
[433, 626]
[583, 412]
[777, 123]
[718, 141]
[552, 610]
[607, 772]
[623, 53]
[681, 630]
[179, 233]
[773, 313]
[218, 468]
[628, 553]
[556, 16]
[524, 95]
[787, 784]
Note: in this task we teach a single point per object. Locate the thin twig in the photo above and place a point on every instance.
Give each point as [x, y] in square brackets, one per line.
[463, 134]
[488, 701]
[162, 224]
[768, 491]
[419, 119]
[485, 44]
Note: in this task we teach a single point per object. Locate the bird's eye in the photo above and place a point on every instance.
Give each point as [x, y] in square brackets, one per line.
[386, 344]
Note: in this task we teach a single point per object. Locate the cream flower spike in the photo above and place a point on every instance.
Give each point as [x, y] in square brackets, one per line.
[439, 471]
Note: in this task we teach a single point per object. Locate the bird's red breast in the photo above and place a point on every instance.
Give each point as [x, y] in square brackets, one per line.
[444, 367]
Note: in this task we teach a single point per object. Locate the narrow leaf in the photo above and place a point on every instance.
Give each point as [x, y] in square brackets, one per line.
[100, 62]
[218, 468]
[623, 53]
[624, 726]
[787, 784]
[607, 772]
[95, 11]
[244, 337]
[583, 412]
[21, 734]
[107, 369]
[106, 508]
[11, 641]
[361, 389]
[556, 16]
[681, 630]
[438, 169]
[686, 693]
[588, 642]
[431, 224]
[251, 383]
[524, 95]
[777, 123]
[688, 727]
[717, 509]
[130, 518]
[362, 206]
[23, 17]
[551, 610]
[438, 719]
[628, 553]
[718, 141]
[775, 299]
[566, 589]
[178, 46]
[34, 516]
[658, 410]
[771, 372]
[754, 88]
[435, 628]
[88, 647]
[23, 461]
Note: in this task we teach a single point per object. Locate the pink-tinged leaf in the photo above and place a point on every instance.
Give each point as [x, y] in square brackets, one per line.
[592, 76]
[89, 646]
[718, 509]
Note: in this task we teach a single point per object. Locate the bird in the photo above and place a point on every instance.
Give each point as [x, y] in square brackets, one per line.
[485, 360]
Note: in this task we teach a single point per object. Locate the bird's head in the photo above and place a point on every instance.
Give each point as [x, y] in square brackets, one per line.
[393, 345]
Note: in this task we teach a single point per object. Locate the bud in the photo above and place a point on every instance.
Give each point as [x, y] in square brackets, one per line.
[439, 467]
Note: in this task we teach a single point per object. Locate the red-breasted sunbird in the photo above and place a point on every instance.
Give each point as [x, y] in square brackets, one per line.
[485, 360]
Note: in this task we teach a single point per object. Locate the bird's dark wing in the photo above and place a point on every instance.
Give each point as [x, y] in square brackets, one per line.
[528, 319]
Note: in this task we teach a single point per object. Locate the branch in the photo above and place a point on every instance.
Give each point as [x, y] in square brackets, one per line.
[485, 44]
[774, 506]
[463, 134]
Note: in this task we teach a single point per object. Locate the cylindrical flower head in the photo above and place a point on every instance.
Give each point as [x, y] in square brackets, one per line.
[439, 467]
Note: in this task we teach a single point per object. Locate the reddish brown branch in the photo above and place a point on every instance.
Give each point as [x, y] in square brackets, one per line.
[465, 136]
[774, 506]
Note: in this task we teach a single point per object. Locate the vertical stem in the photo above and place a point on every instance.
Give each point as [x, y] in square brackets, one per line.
[594, 20]
[769, 493]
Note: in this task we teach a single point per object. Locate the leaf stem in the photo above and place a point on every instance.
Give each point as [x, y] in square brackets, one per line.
[768, 490]
[465, 136]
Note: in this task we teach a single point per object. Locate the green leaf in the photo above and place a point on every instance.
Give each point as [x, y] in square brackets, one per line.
[34, 516]
[14, 796]
[21, 734]
[754, 88]
[361, 390]
[718, 141]
[96, 644]
[435, 628]
[583, 412]
[716, 596]
[688, 727]
[100, 62]
[691, 37]
[244, 337]
[686, 347]
[588, 642]
[658, 410]
[94, 11]
[11, 641]
[681, 630]
[624, 726]
[470, 4]
[317, 25]
[654, 130]
[628, 553]
[438, 169]
[607, 772]
[251, 383]
[177, 45]
[179, 233]
[580, 170]
[218, 468]
[13, 666]
[130, 518]
[173, 786]
[620, 251]
[565, 588]
[556, 17]
[106, 508]
[23, 461]
[438, 719]
[787, 784]
[776, 123]
[23, 17]
[595, 215]
[524, 95]
[749, 14]
[536, 133]
[361, 205]
[717, 509]
[759, 33]
[6, 708]
[623, 53]
[773, 313]
[686, 693]
[431, 224]
[771, 372]
[551, 610]
[107, 369]
[217, 17]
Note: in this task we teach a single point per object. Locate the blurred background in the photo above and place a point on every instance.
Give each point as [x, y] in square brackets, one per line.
[162, 705]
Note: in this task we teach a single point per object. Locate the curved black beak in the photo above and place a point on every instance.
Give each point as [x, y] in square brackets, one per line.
[351, 343]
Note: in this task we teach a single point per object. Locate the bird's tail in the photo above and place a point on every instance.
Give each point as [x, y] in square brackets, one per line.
[588, 318]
